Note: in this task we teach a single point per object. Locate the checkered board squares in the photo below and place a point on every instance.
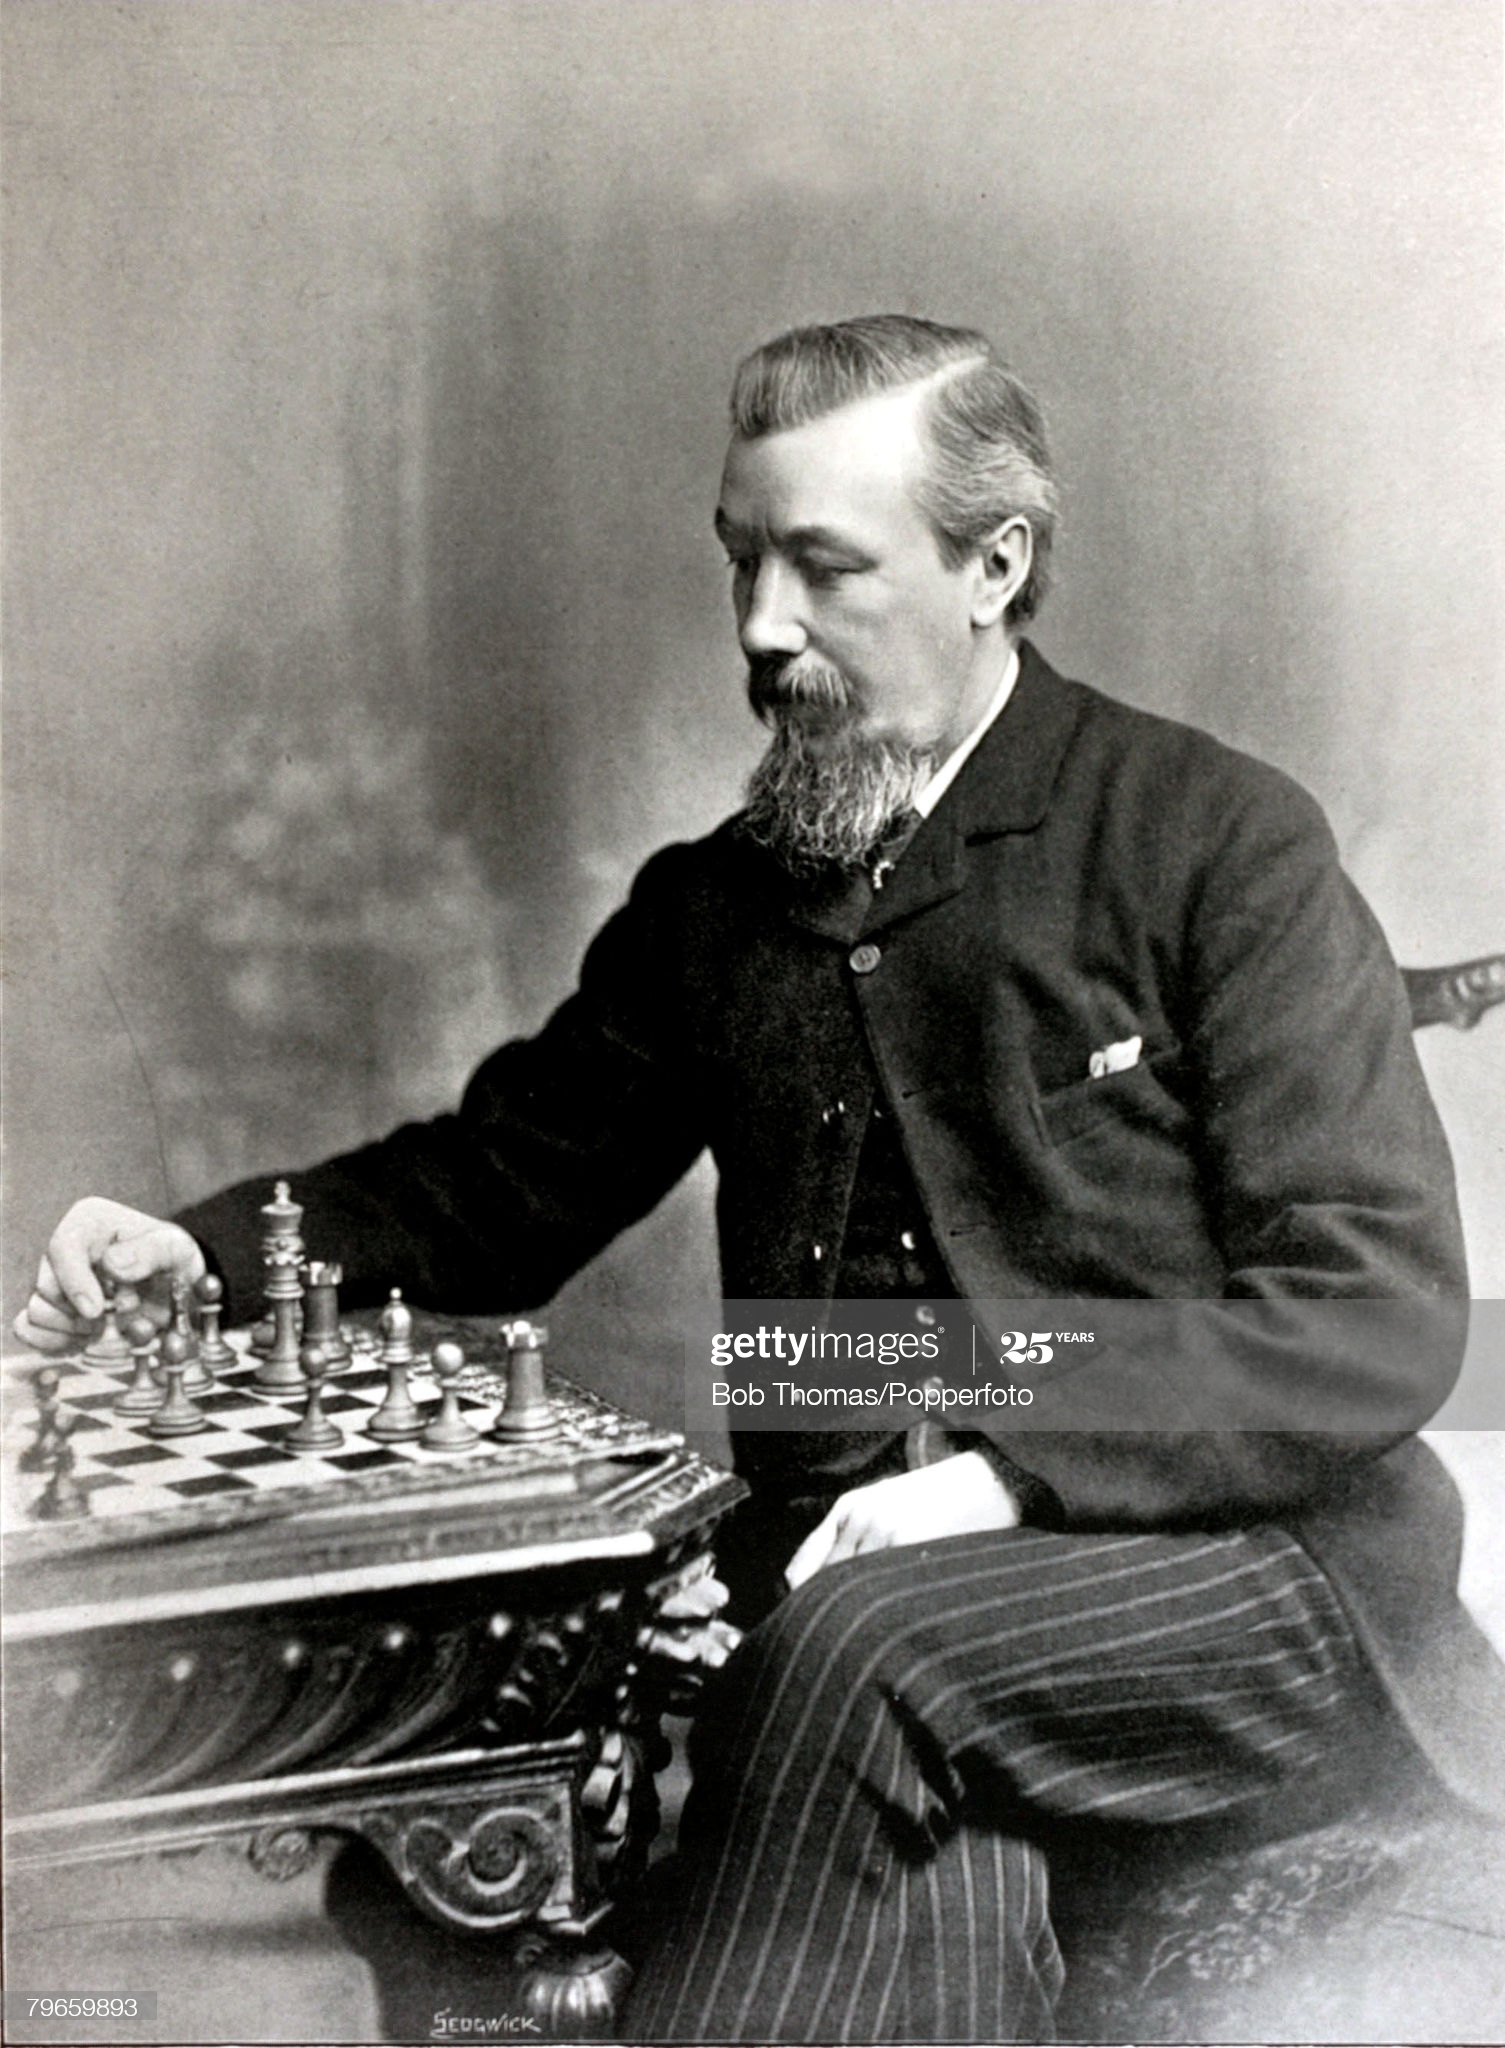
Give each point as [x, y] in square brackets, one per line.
[126, 1471]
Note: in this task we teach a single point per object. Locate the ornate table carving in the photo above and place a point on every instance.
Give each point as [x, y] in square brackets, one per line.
[439, 1658]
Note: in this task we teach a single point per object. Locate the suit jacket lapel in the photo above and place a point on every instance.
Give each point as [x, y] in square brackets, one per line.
[1005, 786]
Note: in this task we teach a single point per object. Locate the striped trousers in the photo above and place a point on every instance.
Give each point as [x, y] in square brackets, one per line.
[876, 1765]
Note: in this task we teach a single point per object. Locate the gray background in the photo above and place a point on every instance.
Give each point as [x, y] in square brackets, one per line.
[366, 373]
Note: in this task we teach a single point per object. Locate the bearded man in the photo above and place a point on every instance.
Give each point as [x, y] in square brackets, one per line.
[995, 990]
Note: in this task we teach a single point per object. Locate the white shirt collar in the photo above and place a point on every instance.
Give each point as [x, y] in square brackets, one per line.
[954, 762]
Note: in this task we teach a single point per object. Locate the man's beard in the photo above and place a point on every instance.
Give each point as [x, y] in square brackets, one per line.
[825, 795]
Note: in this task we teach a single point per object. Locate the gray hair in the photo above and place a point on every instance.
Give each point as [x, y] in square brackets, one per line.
[989, 460]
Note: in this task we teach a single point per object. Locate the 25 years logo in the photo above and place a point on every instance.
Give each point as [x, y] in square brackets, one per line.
[1019, 1349]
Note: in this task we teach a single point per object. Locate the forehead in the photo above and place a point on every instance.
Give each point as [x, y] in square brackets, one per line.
[852, 470]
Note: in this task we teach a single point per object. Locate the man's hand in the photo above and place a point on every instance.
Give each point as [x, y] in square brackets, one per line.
[99, 1239]
[957, 1497]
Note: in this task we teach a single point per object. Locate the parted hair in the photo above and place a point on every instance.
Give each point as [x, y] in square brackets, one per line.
[989, 459]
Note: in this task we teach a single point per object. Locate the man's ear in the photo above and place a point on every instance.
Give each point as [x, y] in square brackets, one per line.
[1003, 566]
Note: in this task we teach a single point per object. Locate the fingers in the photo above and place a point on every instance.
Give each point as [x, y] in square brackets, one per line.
[818, 1547]
[962, 1495]
[156, 1248]
[39, 1336]
[99, 1238]
[77, 1242]
[48, 1322]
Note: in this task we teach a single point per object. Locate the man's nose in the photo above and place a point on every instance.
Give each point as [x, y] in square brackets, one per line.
[768, 618]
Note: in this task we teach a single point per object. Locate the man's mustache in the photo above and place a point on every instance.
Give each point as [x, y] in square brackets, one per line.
[781, 683]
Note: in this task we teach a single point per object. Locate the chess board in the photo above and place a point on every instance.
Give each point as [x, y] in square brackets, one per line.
[239, 1641]
[239, 1467]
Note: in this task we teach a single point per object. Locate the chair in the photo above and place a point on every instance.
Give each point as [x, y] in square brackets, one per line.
[1345, 1931]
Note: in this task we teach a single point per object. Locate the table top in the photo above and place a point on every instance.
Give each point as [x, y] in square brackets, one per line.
[231, 1517]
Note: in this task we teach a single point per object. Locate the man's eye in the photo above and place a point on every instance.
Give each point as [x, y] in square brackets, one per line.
[822, 575]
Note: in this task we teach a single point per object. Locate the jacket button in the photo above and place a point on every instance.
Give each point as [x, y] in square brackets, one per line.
[907, 1239]
[833, 1111]
[817, 1251]
[925, 1314]
[864, 959]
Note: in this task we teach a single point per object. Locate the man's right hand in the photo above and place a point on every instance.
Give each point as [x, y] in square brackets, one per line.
[102, 1240]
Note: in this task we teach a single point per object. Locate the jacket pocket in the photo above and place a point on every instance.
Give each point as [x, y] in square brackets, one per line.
[1136, 1096]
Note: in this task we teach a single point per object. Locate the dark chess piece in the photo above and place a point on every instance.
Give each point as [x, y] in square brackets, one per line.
[321, 1313]
[109, 1347]
[178, 1415]
[38, 1456]
[197, 1379]
[282, 1257]
[63, 1499]
[529, 1414]
[315, 1432]
[214, 1352]
[144, 1395]
[399, 1418]
[448, 1431]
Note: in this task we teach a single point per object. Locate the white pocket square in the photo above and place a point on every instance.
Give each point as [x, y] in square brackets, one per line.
[1115, 1059]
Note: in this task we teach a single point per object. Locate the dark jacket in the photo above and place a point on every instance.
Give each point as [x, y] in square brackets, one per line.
[1093, 876]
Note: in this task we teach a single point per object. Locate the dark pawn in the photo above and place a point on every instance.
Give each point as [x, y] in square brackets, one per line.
[178, 1416]
[63, 1500]
[144, 1395]
[38, 1456]
[214, 1352]
[447, 1431]
[315, 1432]
[198, 1379]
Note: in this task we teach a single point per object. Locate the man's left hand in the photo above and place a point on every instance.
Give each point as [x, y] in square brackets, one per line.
[957, 1497]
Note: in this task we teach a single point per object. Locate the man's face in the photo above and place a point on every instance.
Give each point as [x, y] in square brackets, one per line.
[836, 568]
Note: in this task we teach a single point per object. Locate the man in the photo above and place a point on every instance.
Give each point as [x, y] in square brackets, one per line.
[995, 990]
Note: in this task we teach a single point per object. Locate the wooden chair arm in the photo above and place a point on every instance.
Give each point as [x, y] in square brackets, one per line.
[1455, 995]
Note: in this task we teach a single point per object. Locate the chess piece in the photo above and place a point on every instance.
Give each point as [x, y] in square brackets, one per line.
[197, 1379]
[321, 1313]
[399, 1418]
[38, 1456]
[143, 1396]
[448, 1431]
[282, 1256]
[63, 1499]
[214, 1352]
[178, 1415]
[529, 1413]
[396, 1326]
[315, 1432]
[109, 1347]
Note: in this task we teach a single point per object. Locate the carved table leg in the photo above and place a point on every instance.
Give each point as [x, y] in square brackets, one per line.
[569, 1990]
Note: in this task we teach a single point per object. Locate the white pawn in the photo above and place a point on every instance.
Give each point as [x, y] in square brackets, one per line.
[396, 1326]
[399, 1418]
[109, 1347]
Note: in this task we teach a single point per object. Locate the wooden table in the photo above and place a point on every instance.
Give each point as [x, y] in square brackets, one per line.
[435, 1652]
